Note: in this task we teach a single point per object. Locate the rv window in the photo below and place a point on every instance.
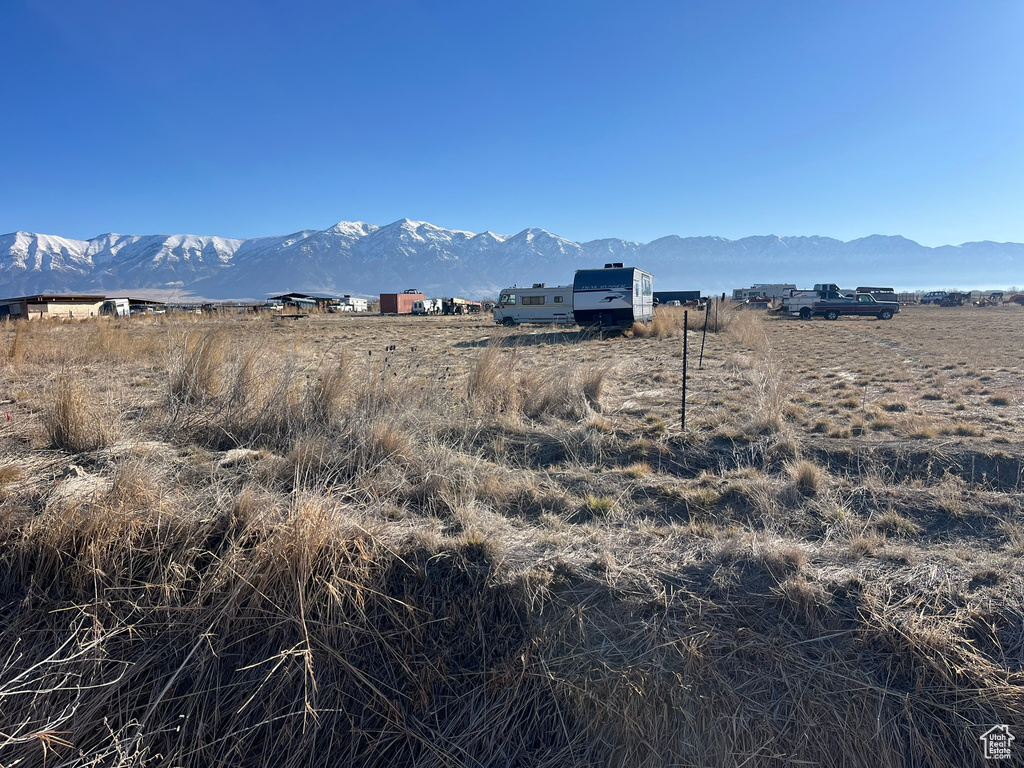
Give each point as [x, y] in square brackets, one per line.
[647, 286]
[507, 298]
[533, 299]
[558, 299]
[636, 287]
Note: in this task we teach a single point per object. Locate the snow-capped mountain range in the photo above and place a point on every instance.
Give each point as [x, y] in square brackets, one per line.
[365, 259]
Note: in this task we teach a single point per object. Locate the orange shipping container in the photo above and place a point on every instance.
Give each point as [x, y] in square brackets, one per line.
[398, 303]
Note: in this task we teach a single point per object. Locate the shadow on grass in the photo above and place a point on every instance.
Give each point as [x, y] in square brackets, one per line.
[540, 337]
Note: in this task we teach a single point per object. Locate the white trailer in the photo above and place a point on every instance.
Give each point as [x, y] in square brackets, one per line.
[427, 307]
[771, 291]
[538, 304]
[116, 308]
[349, 303]
[614, 297]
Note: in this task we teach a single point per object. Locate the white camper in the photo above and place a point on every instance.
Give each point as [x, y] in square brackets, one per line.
[772, 291]
[116, 307]
[614, 297]
[349, 303]
[538, 304]
[427, 307]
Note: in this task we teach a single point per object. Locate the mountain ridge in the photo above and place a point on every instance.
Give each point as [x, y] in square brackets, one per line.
[361, 258]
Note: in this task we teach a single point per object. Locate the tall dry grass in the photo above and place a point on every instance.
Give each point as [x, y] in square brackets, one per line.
[308, 633]
[16, 352]
[498, 384]
[475, 569]
[72, 421]
[745, 325]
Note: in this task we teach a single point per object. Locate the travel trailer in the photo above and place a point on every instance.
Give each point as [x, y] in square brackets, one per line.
[614, 297]
[770, 291]
[426, 307]
[116, 307]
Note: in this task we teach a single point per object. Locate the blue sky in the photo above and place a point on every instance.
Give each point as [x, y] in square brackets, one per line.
[589, 119]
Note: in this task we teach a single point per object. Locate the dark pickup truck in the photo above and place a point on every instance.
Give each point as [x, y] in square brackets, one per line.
[832, 304]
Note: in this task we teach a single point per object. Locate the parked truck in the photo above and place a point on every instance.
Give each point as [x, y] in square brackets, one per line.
[613, 297]
[828, 301]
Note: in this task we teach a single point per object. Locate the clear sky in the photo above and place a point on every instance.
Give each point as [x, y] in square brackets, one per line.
[590, 119]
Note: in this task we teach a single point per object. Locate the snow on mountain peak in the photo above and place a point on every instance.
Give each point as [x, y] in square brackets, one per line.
[352, 228]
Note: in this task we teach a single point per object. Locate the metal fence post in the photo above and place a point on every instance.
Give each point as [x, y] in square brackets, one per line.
[686, 333]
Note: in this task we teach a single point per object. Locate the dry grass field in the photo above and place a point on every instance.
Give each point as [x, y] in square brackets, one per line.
[372, 541]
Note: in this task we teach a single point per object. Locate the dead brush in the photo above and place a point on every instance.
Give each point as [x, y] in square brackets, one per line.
[196, 366]
[746, 327]
[16, 352]
[667, 323]
[498, 386]
[326, 394]
[253, 398]
[769, 397]
[808, 477]
[402, 578]
[263, 625]
[73, 422]
[115, 340]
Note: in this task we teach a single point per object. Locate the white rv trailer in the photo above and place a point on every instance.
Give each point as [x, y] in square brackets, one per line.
[538, 304]
[116, 307]
[350, 303]
[614, 297]
[772, 291]
[427, 307]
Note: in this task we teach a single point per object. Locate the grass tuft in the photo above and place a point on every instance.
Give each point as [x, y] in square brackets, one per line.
[73, 423]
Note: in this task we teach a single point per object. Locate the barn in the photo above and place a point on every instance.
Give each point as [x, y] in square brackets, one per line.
[44, 306]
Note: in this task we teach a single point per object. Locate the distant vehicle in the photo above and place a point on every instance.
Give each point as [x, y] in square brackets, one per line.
[538, 304]
[681, 298]
[994, 299]
[426, 307]
[115, 308]
[770, 291]
[952, 299]
[350, 303]
[456, 305]
[933, 297]
[826, 300]
[882, 294]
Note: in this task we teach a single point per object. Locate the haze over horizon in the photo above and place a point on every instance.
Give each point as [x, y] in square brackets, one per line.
[243, 120]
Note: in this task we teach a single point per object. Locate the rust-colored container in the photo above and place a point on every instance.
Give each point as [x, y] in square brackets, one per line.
[398, 303]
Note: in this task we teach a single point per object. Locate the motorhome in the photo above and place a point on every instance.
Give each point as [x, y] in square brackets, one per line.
[614, 297]
[539, 304]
